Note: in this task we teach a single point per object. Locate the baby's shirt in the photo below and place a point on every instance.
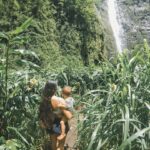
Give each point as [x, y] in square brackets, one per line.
[70, 103]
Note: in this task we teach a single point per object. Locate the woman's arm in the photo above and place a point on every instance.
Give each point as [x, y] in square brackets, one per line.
[62, 105]
[67, 114]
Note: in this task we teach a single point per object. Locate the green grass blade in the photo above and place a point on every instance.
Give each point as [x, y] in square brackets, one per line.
[126, 130]
[94, 136]
[18, 133]
[132, 138]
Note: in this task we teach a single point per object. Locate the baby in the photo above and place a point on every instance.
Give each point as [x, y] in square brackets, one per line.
[66, 94]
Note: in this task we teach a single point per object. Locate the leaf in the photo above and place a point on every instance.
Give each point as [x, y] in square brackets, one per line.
[93, 137]
[29, 63]
[3, 36]
[147, 105]
[14, 91]
[127, 120]
[101, 144]
[22, 28]
[132, 138]
[18, 133]
[2, 147]
[133, 59]
[16, 4]
[12, 144]
[95, 91]
[26, 52]
[65, 77]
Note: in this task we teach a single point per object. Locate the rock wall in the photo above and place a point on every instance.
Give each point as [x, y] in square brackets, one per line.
[135, 20]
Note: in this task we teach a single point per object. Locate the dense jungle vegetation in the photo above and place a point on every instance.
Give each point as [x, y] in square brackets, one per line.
[61, 29]
[63, 40]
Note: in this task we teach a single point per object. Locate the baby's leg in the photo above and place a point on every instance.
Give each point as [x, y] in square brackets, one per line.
[63, 128]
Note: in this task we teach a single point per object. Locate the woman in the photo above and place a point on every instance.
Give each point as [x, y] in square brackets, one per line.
[52, 109]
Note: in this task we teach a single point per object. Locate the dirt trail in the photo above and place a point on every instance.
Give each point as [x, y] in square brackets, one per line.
[72, 135]
[70, 139]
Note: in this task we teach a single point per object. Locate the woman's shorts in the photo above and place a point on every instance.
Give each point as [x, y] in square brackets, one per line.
[56, 128]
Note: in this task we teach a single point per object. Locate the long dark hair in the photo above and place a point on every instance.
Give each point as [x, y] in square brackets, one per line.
[45, 109]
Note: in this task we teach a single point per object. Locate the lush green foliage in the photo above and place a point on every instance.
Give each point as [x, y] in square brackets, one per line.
[115, 98]
[61, 30]
[116, 113]
[18, 97]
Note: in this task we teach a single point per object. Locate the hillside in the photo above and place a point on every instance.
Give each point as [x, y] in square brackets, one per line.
[61, 31]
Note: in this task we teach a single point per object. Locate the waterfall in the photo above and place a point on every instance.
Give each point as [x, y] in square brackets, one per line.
[116, 27]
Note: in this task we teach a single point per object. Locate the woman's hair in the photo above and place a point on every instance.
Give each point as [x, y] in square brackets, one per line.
[49, 89]
[45, 110]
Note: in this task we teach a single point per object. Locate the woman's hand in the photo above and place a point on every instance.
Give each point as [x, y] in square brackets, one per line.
[62, 106]
[67, 114]
[58, 102]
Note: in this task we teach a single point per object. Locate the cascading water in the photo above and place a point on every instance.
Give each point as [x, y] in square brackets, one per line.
[116, 27]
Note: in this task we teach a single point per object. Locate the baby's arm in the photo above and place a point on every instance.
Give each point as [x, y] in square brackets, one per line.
[58, 102]
[63, 107]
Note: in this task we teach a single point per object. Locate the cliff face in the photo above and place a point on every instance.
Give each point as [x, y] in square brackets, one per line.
[61, 30]
[135, 20]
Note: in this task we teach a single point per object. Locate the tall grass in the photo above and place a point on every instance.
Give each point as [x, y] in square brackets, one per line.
[117, 112]
[115, 96]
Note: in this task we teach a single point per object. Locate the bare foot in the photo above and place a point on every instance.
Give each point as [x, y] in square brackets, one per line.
[60, 137]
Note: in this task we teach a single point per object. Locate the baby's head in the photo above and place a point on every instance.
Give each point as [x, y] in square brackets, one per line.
[66, 91]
